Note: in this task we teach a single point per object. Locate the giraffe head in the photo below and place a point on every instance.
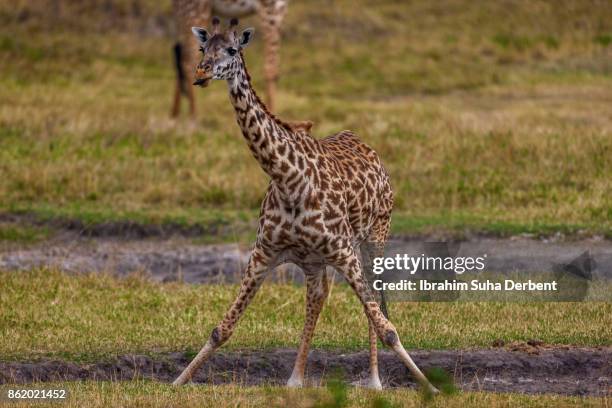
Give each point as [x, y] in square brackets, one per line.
[221, 51]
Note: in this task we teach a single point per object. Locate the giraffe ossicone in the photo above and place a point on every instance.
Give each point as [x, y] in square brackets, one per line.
[327, 200]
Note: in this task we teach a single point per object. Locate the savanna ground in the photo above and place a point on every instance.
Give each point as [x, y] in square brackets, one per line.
[490, 116]
[100, 327]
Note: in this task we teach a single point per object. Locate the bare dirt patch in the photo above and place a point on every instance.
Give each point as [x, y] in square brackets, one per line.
[567, 371]
[180, 259]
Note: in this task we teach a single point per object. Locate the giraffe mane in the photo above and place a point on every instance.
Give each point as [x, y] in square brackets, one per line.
[301, 126]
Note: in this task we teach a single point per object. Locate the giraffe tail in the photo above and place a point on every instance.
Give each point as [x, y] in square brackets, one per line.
[178, 63]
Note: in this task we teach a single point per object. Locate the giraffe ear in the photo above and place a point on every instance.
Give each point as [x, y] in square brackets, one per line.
[245, 37]
[201, 34]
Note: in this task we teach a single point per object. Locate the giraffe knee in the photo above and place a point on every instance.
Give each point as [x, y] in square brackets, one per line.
[384, 328]
[390, 338]
[219, 336]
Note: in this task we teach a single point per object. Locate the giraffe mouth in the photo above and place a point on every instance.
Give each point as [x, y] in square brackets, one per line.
[202, 82]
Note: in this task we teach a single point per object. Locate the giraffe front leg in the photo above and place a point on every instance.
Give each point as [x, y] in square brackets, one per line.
[347, 263]
[187, 14]
[189, 63]
[317, 290]
[251, 281]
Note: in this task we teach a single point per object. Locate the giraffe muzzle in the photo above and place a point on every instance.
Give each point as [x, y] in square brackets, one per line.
[202, 82]
[203, 75]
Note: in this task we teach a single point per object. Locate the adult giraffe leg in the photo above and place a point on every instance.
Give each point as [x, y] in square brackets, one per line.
[347, 263]
[188, 13]
[180, 80]
[271, 18]
[317, 290]
[251, 281]
[189, 63]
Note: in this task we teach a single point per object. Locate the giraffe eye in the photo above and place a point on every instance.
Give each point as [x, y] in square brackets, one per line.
[231, 51]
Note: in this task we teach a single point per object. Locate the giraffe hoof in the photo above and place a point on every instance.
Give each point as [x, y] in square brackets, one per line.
[295, 382]
[374, 384]
[432, 390]
[371, 383]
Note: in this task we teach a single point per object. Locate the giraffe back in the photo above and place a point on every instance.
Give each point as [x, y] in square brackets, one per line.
[368, 191]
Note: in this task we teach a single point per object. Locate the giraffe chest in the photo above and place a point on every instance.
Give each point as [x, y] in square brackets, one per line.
[308, 228]
[234, 8]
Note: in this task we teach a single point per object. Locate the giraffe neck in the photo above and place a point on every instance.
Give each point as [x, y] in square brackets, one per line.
[271, 141]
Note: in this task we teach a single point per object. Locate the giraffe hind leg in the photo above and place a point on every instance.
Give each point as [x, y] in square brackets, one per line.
[374, 381]
[367, 254]
[373, 249]
[376, 249]
[187, 14]
[347, 263]
[180, 80]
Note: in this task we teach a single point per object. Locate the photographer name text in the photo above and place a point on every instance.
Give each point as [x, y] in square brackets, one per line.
[473, 285]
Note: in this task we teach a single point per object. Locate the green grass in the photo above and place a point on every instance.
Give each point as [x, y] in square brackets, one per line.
[489, 116]
[151, 394]
[239, 226]
[89, 317]
[22, 234]
[217, 225]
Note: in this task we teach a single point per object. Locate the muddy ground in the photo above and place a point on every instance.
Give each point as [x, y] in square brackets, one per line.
[531, 370]
[170, 254]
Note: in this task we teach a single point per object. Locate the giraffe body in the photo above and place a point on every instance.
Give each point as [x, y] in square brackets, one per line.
[328, 188]
[325, 199]
[189, 13]
[235, 8]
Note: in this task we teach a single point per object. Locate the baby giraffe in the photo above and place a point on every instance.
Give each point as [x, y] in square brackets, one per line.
[326, 197]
